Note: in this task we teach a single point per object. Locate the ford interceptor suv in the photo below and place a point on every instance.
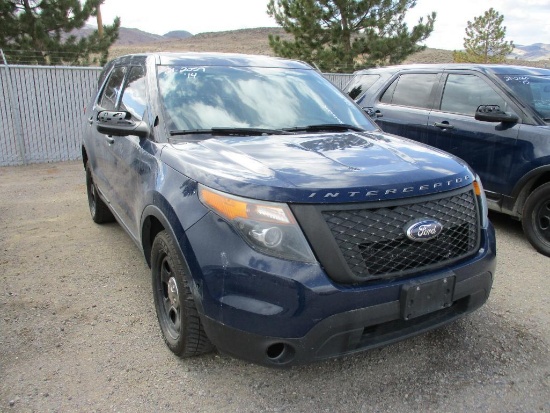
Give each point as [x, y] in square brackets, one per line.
[281, 226]
[495, 117]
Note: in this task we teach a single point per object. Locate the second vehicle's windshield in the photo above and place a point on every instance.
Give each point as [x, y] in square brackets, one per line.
[202, 98]
[533, 90]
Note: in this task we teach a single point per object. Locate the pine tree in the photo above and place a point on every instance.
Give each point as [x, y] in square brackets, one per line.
[342, 35]
[39, 32]
[484, 41]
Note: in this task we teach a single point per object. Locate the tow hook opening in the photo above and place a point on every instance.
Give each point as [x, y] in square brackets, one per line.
[280, 353]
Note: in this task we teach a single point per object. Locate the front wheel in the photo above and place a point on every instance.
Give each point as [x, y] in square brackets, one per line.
[536, 219]
[98, 209]
[176, 311]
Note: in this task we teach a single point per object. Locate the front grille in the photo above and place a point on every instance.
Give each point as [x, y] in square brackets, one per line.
[374, 245]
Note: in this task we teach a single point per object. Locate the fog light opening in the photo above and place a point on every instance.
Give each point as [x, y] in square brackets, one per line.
[280, 353]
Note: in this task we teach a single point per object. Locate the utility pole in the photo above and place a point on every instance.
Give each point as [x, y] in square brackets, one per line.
[99, 22]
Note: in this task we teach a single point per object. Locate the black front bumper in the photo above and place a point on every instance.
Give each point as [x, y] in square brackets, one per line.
[348, 332]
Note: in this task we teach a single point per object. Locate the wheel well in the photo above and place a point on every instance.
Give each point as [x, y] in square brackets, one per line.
[541, 180]
[84, 156]
[151, 227]
[529, 188]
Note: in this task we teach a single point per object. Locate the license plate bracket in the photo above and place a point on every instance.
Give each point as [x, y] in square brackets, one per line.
[419, 298]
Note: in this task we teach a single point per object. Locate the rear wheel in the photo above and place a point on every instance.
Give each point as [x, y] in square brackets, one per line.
[176, 311]
[536, 219]
[99, 211]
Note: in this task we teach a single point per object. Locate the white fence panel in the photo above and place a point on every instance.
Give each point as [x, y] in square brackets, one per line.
[9, 148]
[42, 112]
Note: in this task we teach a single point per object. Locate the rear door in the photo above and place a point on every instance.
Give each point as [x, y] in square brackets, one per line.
[487, 147]
[403, 107]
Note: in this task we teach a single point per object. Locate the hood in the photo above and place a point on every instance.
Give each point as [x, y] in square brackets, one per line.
[318, 168]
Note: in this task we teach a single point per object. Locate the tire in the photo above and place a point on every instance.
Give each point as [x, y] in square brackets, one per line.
[176, 311]
[536, 219]
[98, 209]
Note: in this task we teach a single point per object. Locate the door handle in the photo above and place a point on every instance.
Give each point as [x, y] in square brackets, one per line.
[110, 139]
[443, 125]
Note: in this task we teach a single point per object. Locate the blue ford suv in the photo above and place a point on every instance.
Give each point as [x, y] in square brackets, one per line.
[495, 117]
[280, 224]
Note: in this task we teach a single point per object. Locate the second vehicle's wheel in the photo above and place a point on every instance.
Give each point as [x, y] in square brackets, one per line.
[176, 311]
[99, 211]
[536, 219]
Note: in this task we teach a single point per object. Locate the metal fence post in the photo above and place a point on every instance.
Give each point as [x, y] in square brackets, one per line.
[15, 111]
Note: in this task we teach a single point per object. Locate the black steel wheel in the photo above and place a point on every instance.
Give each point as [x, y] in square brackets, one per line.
[176, 311]
[536, 219]
[98, 209]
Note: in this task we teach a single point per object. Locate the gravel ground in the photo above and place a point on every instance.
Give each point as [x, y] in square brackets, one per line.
[78, 330]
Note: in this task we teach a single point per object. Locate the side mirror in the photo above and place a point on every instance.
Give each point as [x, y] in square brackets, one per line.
[369, 111]
[120, 123]
[493, 113]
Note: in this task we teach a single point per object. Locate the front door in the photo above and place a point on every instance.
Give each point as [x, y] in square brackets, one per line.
[487, 147]
[133, 165]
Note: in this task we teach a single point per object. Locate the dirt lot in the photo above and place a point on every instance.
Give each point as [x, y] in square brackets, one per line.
[78, 331]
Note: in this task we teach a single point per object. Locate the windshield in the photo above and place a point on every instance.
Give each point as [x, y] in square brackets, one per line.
[534, 91]
[202, 98]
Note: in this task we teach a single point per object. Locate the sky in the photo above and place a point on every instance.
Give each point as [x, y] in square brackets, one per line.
[526, 21]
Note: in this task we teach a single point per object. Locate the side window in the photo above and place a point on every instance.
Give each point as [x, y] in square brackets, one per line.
[134, 96]
[412, 90]
[388, 94]
[464, 93]
[360, 84]
[112, 89]
[106, 70]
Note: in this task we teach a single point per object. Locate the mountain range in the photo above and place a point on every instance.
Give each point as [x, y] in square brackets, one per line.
[537, 51]
[255, 41]
[130, 36]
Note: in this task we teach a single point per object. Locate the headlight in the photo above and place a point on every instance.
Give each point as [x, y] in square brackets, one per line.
[268, 227]
[482, 201]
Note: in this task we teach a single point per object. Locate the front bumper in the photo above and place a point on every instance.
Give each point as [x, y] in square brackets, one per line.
[278, 313]
[346, 333]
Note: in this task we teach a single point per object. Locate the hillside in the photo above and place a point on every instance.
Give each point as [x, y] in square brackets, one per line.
[537, 51]
[255, 41]
[248, 41]
[132, 37]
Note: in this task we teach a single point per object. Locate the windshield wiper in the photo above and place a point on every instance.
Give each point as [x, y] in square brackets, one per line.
[230, 132]
[326, 127]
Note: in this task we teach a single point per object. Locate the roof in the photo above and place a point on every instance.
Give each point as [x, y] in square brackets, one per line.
[487, 68]
[218, 59]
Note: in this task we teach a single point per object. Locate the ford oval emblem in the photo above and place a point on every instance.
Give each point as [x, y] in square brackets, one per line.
[423, 230]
